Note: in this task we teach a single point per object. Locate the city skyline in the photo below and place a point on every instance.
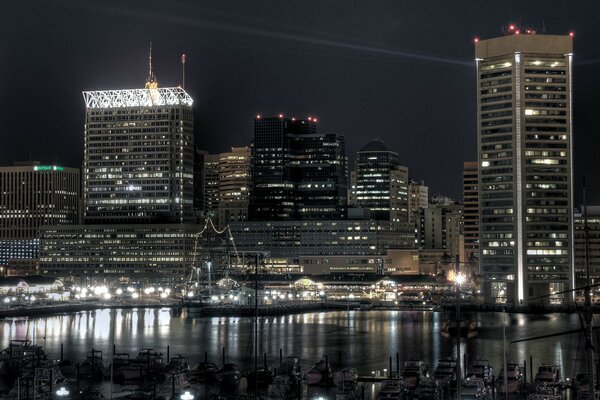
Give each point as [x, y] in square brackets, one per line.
[369, 67]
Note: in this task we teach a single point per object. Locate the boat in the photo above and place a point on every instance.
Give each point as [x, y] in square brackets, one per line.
[481, 369]
[547, 392]
[93, 367]
[204, 372]
[287, 383]
[319, 374]
[177, 365]
[473, 388]
[515, 379]
[262, 378]
[468, 329]
[345, 376]
[428, 389]
[119, 361]
[413, 372]
[147, 365]
[445, 373]
[229, 376]
[391, 389]
[20, 354]
[547, 375]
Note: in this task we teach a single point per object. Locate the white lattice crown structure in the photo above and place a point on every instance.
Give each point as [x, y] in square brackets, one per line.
[137, 98]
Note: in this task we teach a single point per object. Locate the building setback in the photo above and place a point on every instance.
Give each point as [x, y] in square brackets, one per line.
[524, 99]
[591, 252]
[32, 196]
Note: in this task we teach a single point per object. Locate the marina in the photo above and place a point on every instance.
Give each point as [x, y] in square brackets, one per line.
[152, 346]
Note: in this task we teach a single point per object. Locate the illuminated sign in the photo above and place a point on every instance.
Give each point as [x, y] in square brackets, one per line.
[47, 168]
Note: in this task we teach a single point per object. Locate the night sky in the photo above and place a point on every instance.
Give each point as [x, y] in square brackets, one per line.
[398, 70]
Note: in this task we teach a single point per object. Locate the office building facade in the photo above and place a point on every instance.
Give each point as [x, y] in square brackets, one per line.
[418, 198]
[524, 100]
[31, 196]
[381, 183]
[297, 172]
[234, 185]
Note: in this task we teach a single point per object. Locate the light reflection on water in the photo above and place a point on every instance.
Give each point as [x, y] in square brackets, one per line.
[364, 339]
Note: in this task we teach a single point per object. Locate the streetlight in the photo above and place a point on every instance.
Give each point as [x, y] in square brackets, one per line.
[459, 279]
[187, 396]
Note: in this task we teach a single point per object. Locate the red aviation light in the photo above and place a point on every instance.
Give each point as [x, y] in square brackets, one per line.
[314, 120]
[280, 115]
[572, 34]
[257, 116]
[511, 27]
[476, 40]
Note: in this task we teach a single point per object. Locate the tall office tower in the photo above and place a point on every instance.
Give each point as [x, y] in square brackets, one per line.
[210, 179]
[139, 155]
[418, 198]
[297, 172]
[234, 185]
[524, 100]
[138, 189]
[31, 196]
[381, 183]
[471, 209]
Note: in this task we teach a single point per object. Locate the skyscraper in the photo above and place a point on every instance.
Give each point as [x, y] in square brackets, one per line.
[381, 183]
[297, 172]
[525, 159]
[418, 198]
[138, 189]
[138, 155]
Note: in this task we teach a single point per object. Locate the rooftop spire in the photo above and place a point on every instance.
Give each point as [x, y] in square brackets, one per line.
[151, 80]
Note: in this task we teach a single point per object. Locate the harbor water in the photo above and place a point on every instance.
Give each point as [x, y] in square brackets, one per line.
[364, 340]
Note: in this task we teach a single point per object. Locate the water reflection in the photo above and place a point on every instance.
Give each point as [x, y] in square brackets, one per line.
[364, 339]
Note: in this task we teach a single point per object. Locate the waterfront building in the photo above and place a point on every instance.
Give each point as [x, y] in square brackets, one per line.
[381, 183]
[471, 209]
[297, 172]
[418, 198]
[524, 119]
[33, 195]
[338, 237]
[138, 253]
[234, 185]
[199, 180]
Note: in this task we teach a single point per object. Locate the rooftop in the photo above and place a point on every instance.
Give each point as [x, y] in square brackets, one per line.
[137, 98]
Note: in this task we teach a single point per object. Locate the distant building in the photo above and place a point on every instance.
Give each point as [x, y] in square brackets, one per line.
[210, 180]
[441, 200]
[381, 183]
[297, 172]
[418, 198]
[234, 185]
[524, 100]
[31, 196]
[592, 250]
[471, 209]
[292, 238]
[441, 228]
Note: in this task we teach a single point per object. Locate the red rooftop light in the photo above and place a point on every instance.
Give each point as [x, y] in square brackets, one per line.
[476, 40]
[512, 27]
[572, 34]
[257, 116]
